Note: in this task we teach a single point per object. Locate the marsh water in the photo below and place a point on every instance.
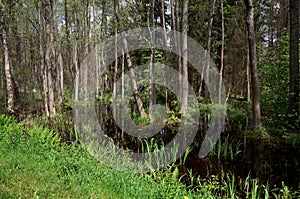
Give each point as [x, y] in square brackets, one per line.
[271, 162]
[259, 158]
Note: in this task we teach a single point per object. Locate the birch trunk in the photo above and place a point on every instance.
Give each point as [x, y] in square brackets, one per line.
[8, 75]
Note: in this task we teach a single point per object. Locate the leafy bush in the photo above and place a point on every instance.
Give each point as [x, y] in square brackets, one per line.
[274, 73]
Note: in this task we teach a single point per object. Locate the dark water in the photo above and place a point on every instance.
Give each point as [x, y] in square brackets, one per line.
[270, 163]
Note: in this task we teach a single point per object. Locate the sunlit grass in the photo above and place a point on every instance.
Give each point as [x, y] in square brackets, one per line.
[34, 167]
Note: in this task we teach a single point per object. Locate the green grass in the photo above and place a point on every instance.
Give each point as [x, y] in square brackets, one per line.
[32, 165]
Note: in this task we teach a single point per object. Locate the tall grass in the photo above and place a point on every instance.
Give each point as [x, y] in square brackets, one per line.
[226, 149]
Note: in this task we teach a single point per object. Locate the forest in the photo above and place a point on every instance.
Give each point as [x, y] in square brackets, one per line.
[149, 99]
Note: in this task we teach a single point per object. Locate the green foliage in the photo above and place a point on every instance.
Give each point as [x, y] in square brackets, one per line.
[105, 99]
[238, 114]
[45, 136]
[293, 138]
[285, 193]
[274, 73]
[61, 124]
[9, 132]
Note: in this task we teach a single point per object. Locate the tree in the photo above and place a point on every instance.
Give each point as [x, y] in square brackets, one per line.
[7, 69]
[222, 53]
[138, 100]
[46, 55]
[210, 26]
[85, 45]
[253, 63]
[49, 65]
[178, 46]
[152, 101]
[294, 59]
[185, 57]
[58, 61]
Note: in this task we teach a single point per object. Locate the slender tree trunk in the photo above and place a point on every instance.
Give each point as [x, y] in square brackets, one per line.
[103, 53]
[57, 55]
[163, 24]
[48, 67]
[248, 77]
[152, 100]
[253, 64]
[206, 69]
[294, 59]
[222, 53]
[68, 42]
[123, 92]
[175, 45]
[48, 62]
[185, 57]
[85, 28]
[179, 50]
[76, 70]
[138, 100]
[8, 75]
[42, 57]
[115, 83]
[173, 23]
[75, 55]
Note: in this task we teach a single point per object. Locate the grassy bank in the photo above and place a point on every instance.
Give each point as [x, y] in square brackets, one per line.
[34, 163]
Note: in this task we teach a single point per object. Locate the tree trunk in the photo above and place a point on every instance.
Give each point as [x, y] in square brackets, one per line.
[294, 59]
[48, 62]
[85, 29]
[185, 93]
[123, 93]
[152, 100]
[222, 53]
[253, 64]
[48, 72]
[178, 49]
[8, 75]
[248, 79]
[173, 24]
[57, 55]
[138, 100]
[103, 53]
[68, 42]
[42, 57]
[75, 57]
[205, 71]
[115, 84]
[163, 24]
